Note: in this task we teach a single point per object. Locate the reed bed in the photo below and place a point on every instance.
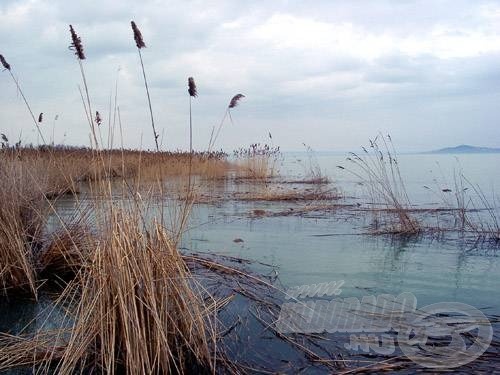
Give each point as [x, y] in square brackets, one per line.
[258, 162]
[64, 167]
[137, 310]
[22, 219]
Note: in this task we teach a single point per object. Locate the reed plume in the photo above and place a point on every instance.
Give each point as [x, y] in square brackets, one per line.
[76, 44]
[192, 90]
[232, 103]
[235, 100]
[139, 42]
[193, 93]
[5, 64]
[98, 119]
[137, 36]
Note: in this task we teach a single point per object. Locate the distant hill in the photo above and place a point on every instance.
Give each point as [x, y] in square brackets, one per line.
[466, 149]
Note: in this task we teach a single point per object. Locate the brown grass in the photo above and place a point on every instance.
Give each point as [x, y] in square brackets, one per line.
[137, 310]
[22, 218]
[257, 162]
[280, 194]
[64, 167]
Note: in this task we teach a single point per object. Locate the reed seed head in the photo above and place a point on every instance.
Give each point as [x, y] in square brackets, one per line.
[234, 101]
[5, 64]
[98, 119]
[40, 117]
[76, 44]
[192, 90]
[139, 42]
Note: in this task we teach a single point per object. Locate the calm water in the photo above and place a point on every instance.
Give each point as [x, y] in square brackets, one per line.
[334, 246]
[318, 248]
[328, 247]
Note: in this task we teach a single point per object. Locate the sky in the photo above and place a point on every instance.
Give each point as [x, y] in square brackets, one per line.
[327, 73]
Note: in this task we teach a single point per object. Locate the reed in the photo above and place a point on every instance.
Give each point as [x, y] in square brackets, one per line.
[193, 93]
[232, 104]
[8, 68]
[139, 42]
[67, 167]
[137, 311]
[377, 168]
[22, 218]
[257, 162]
[313, 173]
[77, 47]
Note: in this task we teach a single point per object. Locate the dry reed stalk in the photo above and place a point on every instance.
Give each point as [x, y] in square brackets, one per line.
[8, 67]
[378, 170]
[281, 195]
[29, 350]
[22, 217]
[137, 311]
[193, 93]
[257, 162]
[77, 47]
[65, 166]
[139, 42]
[65, 252]
[232, 104]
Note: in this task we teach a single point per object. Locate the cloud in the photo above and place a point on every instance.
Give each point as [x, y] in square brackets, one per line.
[330, 74]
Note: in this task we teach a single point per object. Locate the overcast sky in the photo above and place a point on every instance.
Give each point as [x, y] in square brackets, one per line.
[328, 73]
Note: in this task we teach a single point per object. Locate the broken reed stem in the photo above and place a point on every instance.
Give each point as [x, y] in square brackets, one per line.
[149, 100]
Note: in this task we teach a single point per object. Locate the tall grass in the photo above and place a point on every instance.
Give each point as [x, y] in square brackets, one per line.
[137, 310]
[377, 168]
[22, 219]
[258, 162]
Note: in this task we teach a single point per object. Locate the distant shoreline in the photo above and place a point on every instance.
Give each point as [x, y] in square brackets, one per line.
[465, 149]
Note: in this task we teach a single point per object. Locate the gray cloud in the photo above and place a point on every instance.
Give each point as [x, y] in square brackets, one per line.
[330, 74]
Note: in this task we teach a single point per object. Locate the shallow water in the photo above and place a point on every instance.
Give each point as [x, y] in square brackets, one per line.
[320, 247]
[325, 247]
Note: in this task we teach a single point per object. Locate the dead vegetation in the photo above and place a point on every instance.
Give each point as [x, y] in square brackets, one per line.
[137, 309]
[258, 163]
[377, 168]
[281, 194]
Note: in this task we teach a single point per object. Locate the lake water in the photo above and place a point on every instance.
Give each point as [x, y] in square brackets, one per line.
[333, 246]
[322, 247]
[325, 247]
